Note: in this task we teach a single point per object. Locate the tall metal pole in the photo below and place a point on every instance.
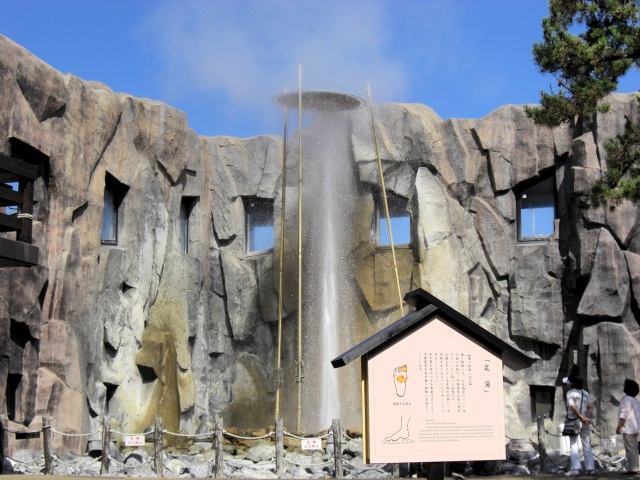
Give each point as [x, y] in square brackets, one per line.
[384, 198]
[299, 246]
[279, 380]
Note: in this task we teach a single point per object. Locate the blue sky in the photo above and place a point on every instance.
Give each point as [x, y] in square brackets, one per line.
[221, 62]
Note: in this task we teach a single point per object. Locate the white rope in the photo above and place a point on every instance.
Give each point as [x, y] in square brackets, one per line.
[123, 433]
[148, 462]
[296, 436]
[248, 438]
[76, 434]
[25, 215]
[208, 435]
[41, 457]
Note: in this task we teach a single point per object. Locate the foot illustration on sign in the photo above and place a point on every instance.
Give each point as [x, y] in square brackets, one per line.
[402, 435]
[400, 378]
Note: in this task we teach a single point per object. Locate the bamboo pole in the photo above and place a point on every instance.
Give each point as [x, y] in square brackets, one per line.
[384, 198]
[299, 376]
[284, 196]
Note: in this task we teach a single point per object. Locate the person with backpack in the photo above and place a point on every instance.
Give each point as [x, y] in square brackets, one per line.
[579, 405]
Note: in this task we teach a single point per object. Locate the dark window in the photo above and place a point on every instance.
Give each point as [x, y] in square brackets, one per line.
[111, 391]
[537, 211]
[13, 385]
[542, 401]
[114, 193]
[259, 224]
[399, 218]
[186, 207]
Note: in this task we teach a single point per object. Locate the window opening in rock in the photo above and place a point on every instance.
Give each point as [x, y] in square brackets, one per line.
[147, 374]
[11, 209]
[114, 193]
[259, 224]
[21, 187]
[536, 211]
[19, 333]
[399, 218]
[111, 391]
[542, 401]
[186, 208]
[13, 386]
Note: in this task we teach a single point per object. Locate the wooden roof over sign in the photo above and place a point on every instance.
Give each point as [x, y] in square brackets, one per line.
[427, 306]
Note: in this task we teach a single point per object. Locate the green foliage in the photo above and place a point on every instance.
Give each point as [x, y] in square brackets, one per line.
[588, 45]
[622, 177]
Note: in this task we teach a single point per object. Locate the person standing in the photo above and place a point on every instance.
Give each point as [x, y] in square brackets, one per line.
[628, 423]
[579, 405]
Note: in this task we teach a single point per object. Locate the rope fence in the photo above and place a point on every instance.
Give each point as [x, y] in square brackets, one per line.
[161, 461]
[239, 437]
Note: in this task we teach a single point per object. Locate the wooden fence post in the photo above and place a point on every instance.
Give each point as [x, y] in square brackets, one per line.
[3, 446]
[542, 442]
[279, 448]
[46, 446]
[106, 445]
[218, 471]
[158, 445]
[337, 447]
[395, 470]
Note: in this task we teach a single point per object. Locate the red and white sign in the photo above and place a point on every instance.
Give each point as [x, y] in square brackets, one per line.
[311, 444]
[133, 440]
[518, 444]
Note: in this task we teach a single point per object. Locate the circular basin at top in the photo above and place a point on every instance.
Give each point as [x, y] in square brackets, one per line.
[319, 100]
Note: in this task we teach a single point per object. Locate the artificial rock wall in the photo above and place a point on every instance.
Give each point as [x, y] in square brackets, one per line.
[142, 329]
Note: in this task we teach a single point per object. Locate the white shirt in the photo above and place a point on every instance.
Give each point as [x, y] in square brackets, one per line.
[630, 411]
[579, 399]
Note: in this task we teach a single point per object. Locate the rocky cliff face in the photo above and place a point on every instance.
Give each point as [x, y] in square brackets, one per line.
[174, 317]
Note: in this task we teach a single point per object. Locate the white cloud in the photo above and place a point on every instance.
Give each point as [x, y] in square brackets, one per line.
[247, 51]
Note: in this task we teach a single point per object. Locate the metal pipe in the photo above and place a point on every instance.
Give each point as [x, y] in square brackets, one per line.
[299, 246]
[282, 213]
[384, 198]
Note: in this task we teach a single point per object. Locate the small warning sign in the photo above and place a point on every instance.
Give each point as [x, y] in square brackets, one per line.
[311, 444]
[133, 440]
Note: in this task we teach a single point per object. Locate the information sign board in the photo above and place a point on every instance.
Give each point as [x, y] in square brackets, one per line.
[435, 395]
